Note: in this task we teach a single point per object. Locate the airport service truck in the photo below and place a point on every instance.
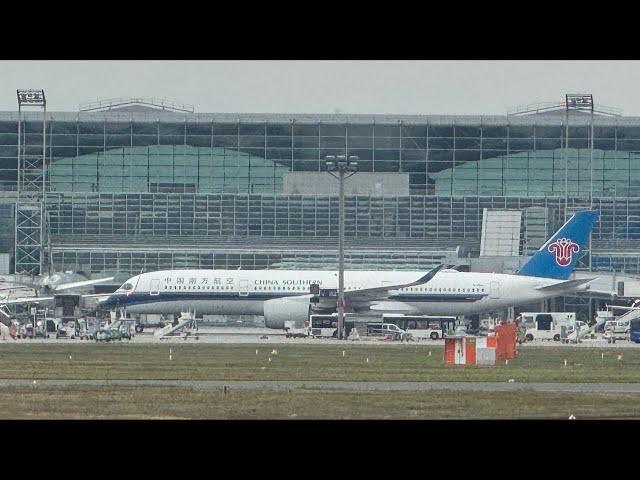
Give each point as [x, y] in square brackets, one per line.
[634, 330]
[616, 330]
[547, 325]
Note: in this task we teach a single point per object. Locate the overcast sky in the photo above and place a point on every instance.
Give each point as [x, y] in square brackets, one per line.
[393, 87]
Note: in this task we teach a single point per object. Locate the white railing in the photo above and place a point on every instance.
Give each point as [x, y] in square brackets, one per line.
[110, 103]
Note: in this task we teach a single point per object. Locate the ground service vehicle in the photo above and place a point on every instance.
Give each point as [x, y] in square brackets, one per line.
[295, 334]
[326, 325]
[88, 329]
[25, 330]
[547, 326]
[67, 329]
[422, 326]
[124, 331]
[323, 325]
[616, 330]
[387, 330]
[634, 330]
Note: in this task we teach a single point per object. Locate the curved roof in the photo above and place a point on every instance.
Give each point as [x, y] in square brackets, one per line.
[542, 172]
[171, 168]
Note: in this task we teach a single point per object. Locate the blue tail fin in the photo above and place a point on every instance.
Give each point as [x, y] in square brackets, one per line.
[558, 257]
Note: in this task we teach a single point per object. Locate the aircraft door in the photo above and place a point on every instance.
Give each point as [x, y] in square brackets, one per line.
[494, 290]
[155, 286]
[244, 288]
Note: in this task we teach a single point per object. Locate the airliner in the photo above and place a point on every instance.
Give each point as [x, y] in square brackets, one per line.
[283, 296]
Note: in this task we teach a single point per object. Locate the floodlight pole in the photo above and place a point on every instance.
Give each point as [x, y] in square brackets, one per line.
[342, 166]
[341, 256]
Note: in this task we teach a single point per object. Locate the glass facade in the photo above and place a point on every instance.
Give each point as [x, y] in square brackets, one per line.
[116, 179]
[135, 261]
[189, 216]
[443, 155]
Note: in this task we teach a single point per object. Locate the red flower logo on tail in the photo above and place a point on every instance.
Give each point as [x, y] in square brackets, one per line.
[564, 249]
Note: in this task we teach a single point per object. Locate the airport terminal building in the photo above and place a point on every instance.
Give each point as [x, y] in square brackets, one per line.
[135, 185]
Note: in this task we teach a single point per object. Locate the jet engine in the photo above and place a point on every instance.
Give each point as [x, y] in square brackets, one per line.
[286, 312]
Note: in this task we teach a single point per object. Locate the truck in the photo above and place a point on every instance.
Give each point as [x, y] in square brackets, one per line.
[116, 331]
[88, 328]
[616, 330]
[25, 330]
[634, 330]
[547, 325]
[68, 329]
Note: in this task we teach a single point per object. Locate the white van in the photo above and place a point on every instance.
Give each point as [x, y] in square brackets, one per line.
[617, 326]
[386, 329]
[616, 330]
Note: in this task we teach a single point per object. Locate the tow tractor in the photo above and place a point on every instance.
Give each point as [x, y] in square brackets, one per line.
[115, 331]
[68, 329]
[88, 329]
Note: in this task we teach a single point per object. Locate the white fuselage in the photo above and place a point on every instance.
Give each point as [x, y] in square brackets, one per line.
[238, 292]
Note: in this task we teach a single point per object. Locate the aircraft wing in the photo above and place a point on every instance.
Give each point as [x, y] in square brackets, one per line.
[16, 286]
[26, 300]
[84, 283]
[621, 307]
[378, 293]
[364, 296]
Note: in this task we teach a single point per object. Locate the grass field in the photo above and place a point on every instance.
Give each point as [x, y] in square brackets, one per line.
[305, 362]
[182, 403]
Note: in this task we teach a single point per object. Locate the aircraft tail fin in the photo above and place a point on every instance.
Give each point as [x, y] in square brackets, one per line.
[559, 256]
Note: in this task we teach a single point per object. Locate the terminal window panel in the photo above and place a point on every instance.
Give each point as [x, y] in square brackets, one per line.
[300, 147]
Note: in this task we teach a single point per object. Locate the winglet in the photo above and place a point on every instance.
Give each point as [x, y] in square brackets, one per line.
[429, 276]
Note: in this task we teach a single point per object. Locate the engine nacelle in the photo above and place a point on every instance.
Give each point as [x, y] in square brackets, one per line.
[286, 312]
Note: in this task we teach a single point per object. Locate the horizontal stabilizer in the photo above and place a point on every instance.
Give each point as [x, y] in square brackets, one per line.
[564, 286]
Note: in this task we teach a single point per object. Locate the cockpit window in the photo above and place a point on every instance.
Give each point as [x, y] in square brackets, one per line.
[127, 286]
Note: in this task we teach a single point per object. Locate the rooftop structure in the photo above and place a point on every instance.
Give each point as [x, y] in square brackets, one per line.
[135, 105]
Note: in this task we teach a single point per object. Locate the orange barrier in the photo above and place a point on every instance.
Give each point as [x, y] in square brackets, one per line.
[506, 336]
[460, 350]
